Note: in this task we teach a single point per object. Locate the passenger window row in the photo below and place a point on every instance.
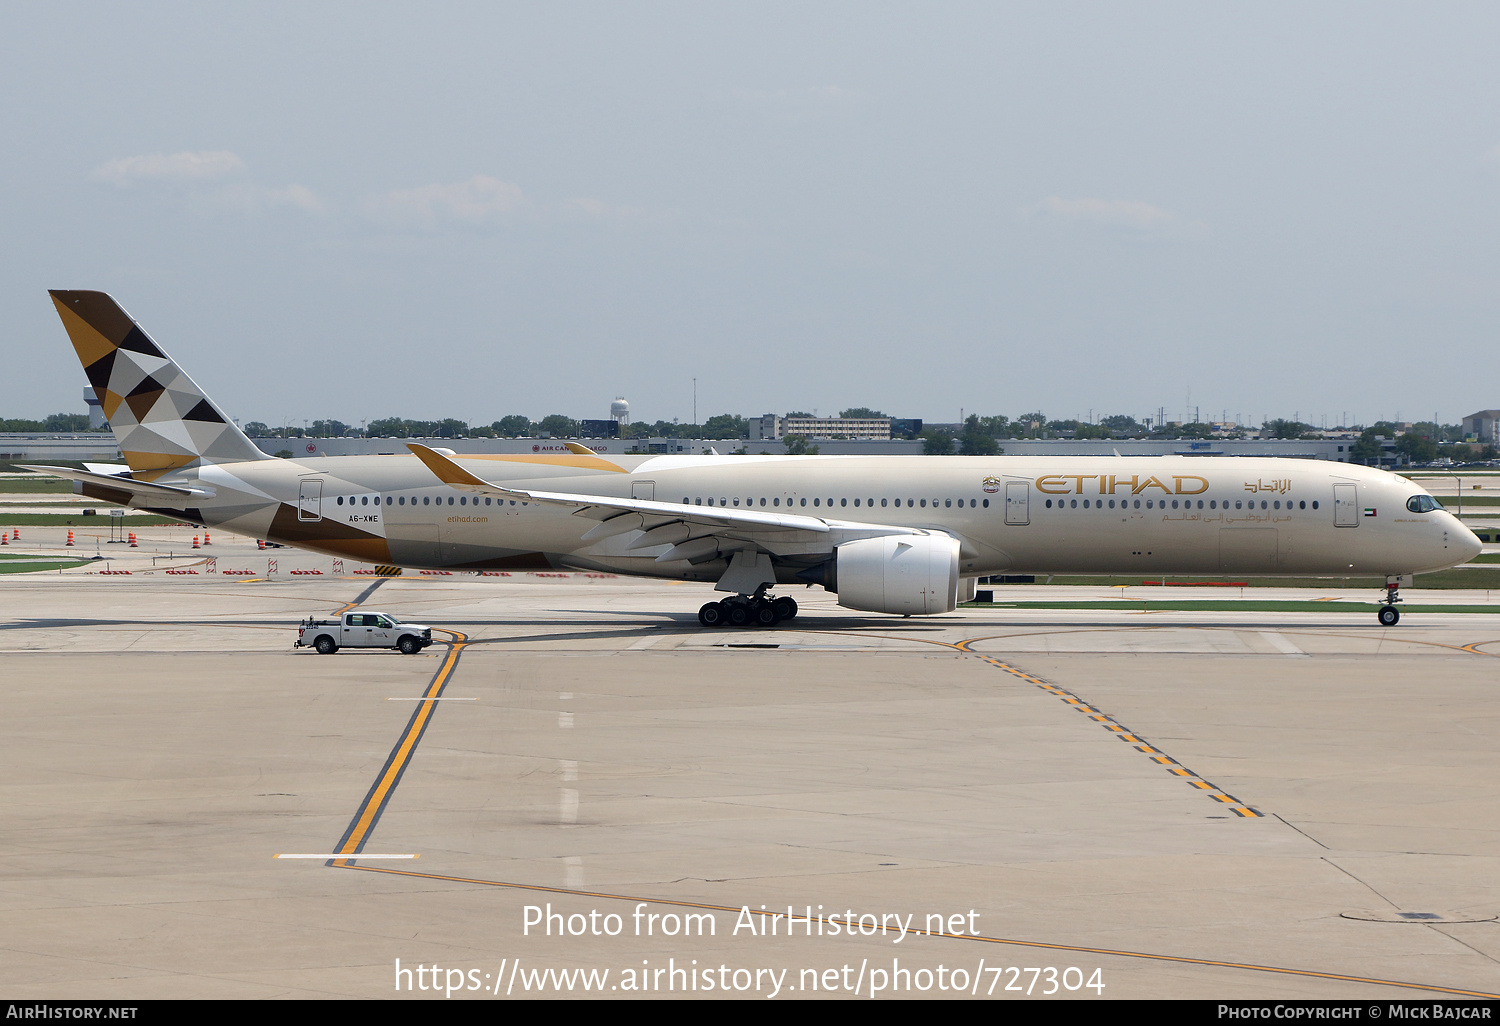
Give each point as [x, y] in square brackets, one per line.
[427, 500]
[1185, 503]
[775, 501]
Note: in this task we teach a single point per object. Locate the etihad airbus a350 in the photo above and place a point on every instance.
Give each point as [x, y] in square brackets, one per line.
[890, 534]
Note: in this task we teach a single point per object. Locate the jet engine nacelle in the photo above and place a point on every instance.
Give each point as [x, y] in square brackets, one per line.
[909, 574]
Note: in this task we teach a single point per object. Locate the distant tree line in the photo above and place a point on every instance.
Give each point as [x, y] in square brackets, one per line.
[725, 425]
[1424, 443]
[979, 435]
[555, 425]
[59, 422]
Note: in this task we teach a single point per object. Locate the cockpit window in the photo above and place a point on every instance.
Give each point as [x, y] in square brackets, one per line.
[1422, 504]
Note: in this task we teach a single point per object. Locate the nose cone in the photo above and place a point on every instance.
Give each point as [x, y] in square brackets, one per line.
[1464, 542]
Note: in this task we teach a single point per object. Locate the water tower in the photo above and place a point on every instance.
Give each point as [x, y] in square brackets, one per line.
[619, 411]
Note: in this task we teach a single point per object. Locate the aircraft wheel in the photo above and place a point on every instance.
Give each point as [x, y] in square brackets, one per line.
[738, 615]
[325, 645]
[409, 645]
[1389, 616]
[786, 607]
[765, 615]
[711, 615]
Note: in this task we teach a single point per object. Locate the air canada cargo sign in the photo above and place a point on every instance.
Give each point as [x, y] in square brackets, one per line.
[1109, 484]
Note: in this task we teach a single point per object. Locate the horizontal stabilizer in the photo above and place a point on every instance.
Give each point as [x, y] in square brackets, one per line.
[152, 494]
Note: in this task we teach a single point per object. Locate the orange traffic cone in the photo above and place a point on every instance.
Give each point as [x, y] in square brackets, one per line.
[195, 541]
[15, 534]
[70, 537]
[4, 538]
[205, 536]
[261, 542]
[132, 540]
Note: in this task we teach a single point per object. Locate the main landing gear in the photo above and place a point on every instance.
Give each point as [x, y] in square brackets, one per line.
[1389, 614]
[759, 610]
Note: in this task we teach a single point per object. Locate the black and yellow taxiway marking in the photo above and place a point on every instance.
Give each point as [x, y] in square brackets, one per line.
[358, 599]
[1109, 723]
[1120, 731]
[368, 813]
[1218, 794]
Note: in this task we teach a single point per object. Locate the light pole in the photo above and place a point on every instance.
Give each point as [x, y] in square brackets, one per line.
[1460, 482]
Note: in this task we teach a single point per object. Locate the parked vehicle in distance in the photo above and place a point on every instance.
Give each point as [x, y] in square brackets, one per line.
[363, 629]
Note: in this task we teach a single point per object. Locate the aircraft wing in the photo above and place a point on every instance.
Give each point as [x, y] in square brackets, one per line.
[150, 494]
[679, 524]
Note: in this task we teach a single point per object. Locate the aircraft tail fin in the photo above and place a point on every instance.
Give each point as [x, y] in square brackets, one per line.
[161, 419]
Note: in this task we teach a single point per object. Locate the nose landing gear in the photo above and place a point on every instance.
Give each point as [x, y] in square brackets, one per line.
[758, 610]
[1389, 615]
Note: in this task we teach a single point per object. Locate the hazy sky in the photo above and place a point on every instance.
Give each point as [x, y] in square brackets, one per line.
[471, 210]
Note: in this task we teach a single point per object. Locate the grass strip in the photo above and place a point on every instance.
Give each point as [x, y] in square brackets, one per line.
[78, 520]
[24, 486]
[1230, 605]
[44, 504]
[1467, 577]
[31, 568]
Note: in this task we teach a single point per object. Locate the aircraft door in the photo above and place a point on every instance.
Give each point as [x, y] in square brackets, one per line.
[310, 499]
[1345, 506]
[643, 490]
[1017, 502]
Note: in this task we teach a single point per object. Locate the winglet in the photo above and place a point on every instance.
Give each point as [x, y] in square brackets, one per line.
[579, 449]
[446, 470]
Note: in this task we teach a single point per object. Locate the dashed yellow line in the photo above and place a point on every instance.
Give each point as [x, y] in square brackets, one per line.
[1119, 730]
[1239, 808]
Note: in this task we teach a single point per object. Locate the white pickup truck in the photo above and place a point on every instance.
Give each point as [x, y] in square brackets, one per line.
[363, 629]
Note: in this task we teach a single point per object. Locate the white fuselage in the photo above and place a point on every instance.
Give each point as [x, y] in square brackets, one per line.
[1099, 515]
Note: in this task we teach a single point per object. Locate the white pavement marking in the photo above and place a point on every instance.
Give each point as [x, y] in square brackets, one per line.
[356, 855]
[1282, 644]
